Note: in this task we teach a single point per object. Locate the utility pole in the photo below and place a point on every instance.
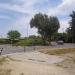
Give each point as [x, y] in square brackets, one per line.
[27, 37]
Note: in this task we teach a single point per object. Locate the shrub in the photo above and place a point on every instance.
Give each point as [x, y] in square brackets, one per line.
[30, 42]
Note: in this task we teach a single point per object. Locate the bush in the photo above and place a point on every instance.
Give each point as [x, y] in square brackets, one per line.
[24, 42]
[3, 41]
[30, 42]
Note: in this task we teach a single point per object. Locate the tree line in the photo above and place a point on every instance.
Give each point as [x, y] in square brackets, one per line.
[47, 27]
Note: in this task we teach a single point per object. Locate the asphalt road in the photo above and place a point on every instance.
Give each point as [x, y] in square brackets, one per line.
[8, 49]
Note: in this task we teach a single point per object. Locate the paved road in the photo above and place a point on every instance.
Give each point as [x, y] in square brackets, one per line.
[7, 49]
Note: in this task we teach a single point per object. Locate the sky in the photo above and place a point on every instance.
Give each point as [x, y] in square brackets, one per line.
[16, 14]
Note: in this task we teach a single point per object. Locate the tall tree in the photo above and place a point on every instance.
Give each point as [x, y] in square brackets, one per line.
[71, 29]
[46, 26]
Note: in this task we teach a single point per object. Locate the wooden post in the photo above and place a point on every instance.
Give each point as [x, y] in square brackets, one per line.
[24, 48]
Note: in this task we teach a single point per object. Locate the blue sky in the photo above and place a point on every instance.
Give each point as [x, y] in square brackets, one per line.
[16, 14]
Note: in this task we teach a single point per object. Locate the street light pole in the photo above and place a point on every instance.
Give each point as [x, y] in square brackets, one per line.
[27, 37]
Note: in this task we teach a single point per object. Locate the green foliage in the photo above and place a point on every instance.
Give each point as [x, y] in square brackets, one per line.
[25, 42]
[13, 36]
[4, 41]
[71, 29]
[31, 41]
[69, 35]
[46, 26]
[61, 36]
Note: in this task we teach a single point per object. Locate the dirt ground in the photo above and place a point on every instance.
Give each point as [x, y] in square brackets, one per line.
[36, 63]
[69, 58]
[27, 68]
[68, 63]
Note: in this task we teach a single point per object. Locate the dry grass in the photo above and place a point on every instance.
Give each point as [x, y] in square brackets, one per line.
[12, 59]
[58, 51]
[3, 60]
[5, 72]
[69, 62]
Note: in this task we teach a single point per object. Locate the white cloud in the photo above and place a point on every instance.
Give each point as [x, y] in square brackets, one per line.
[15, 8]
[26, 7]
[23, 25]
[64, 24]
[64, 8]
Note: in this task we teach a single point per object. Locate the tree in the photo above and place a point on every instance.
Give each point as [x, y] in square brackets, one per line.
[71, 29]
[61, 36]
[69, 35]
[46, 26]
[13, 35]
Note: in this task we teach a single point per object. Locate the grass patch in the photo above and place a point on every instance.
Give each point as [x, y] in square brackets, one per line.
[58, 51]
